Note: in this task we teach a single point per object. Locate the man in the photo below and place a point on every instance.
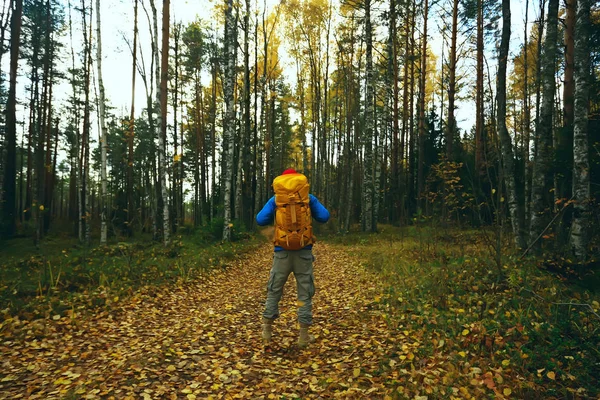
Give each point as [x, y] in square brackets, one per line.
[292, 208]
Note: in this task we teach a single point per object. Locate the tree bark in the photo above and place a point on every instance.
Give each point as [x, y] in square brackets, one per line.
[422, 88]
[162, 140]
[479, 115]
[228, 121]
[10, 169]
[541, 167]
[451, 126]
[581, 164]
[508, 161]
[103, 138]
[131, 131]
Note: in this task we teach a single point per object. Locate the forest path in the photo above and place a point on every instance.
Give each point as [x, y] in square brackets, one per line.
[202, 339]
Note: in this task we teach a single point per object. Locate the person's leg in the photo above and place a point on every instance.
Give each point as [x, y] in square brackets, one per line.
[303, 271]
[280, 271]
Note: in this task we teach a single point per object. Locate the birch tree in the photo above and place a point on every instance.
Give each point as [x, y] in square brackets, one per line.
[508, 160]
[581, 164]
[103, 138]
[84, 164]
[162, 95]
[228, 121]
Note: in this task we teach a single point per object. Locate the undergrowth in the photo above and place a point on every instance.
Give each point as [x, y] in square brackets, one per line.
[61, 273]
[524, 323]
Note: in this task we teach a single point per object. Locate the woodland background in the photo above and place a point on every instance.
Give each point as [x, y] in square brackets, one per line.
[485, 238]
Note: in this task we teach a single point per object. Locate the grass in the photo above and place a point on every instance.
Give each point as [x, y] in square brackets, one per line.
[525, 321]
[40, 282]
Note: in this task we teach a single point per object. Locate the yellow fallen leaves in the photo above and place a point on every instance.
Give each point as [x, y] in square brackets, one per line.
[507, 391]
[356, 372]
[551, 375]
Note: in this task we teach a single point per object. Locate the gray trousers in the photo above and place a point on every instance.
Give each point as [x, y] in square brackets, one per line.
[300, 262]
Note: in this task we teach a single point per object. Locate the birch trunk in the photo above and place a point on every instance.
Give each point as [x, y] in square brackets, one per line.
[508, 161]
[131, 131]
[84, 225]
[581, 163]
[228, 121]
[161, 94]
[543, 159]
[103, 138]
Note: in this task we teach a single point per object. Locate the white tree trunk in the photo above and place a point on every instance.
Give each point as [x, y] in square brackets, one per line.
[162, 96]
[228, 121]
[581, 167]
[103, 138]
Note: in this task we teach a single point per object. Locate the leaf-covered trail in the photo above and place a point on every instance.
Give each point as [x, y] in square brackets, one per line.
[200, 339]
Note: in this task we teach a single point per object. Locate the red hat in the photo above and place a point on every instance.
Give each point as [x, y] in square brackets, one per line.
[289, 171]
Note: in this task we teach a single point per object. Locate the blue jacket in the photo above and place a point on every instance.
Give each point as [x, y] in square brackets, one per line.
[267, 214]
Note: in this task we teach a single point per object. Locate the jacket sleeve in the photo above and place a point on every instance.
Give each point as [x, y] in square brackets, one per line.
[318, 210]
[265, 216]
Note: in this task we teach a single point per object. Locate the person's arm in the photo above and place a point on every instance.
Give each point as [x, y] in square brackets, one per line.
[265, 216]
[318, 210]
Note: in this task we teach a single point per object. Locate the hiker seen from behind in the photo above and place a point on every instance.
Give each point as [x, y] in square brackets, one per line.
[292, 209]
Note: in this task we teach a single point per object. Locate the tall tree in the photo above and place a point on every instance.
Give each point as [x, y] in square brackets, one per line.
[368, 224]
[84, 164]
[581, 165]
[162, 140]
[451, 126]
[543, 158]
[131, 129]
[10, 169]
[422, 88]
[103, 137]
[228, 120]
[479, 114]
[508, 161]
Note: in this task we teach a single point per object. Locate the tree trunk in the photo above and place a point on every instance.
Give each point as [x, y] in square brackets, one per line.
[162, 140]
[178, 157]
[581, 164]
[247, 128]
[368, 224]
[103, 138]
[543, 159]
[84, 225]
[563, 154]
[479, 116]
[422, 88]
[10, 169]
[228, 121]
[131, 132]
[451, 126]
[508, 161]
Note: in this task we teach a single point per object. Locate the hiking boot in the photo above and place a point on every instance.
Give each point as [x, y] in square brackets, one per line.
[305, 339]
[267, 329]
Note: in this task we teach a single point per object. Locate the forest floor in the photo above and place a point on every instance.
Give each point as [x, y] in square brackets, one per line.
[381, 332]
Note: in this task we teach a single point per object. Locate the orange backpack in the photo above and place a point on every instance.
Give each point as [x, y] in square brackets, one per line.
[293, 221]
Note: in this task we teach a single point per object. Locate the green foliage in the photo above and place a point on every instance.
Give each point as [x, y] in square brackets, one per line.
[530, 327]
[62, 272]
